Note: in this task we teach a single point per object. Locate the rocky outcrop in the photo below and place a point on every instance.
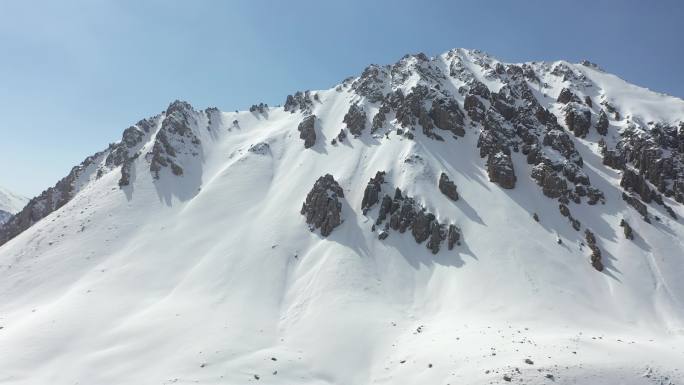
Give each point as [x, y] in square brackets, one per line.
[355, 119]
[49, 200]
[553, 186]
[500, 170]
[371, 83]
[633, 182]
[259, 108]
[566, 96]
[446, 115]
[380, 118]
[447, 187]
[577, 119]
[322, 207]
[602, 123]
[371, 194]
[453, 237]
[307, 131]
[175, 137]
[627, 229]
[405, 213]
[596, 261]
[300, 101]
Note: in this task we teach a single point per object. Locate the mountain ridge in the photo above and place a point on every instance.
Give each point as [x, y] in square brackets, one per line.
[443, 218]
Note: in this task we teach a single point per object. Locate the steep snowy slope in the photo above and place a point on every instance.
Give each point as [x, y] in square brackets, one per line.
[10, 203]
[182, 255]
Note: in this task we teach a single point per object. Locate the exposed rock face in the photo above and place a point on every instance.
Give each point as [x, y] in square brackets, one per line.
[379, 118]
[602, 124]
[595, 251]
[118, 154]
[447, 187]
[627, 229]
[175, 137]
[322, 207]
[371, 83]
[578, 119]
[406, 214]
[300, 101]
[453, 237]
[48, 201]
[500, 170]
[553, 186]
[632, 181]
[355, 119]
[566, 96]
[372, 192]
[474, 108]
[260, 108]
[657, 152]
[447, 116]
[307, 131]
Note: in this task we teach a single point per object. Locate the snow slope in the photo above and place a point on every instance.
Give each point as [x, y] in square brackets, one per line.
[10, 203]
[213, 277]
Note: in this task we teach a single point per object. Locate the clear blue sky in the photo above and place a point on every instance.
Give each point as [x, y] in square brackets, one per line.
[74, 74]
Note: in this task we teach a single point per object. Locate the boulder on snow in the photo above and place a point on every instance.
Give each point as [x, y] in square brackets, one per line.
[355, 119]
[372, 192]
[307, 131]
[500, 170]
[447, 187]
[322, 207]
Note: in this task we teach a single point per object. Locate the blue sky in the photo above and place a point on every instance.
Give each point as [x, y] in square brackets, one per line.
[74, 74]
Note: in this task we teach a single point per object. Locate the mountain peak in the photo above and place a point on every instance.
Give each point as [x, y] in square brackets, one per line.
[433, 204]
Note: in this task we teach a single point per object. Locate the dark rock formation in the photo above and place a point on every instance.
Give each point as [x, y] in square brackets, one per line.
[372, 192]
[260, 108]
[500, 170]
[322, 207]
[566, 96]
[406, 214]
[341, 136]
[175, 136]
[379, 118]
[633, 182]
[307, 131]
[602, 124]
[627, 229]
[453, 237]
[300, 101]
[595, 251]
[447, 116]
[553, 186]
[355, 119]
[371, 83]
[447, 187]
[578, 119]
[437, 235]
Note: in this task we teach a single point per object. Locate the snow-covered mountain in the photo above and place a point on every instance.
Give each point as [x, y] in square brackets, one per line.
[10, 203]
[440, 220]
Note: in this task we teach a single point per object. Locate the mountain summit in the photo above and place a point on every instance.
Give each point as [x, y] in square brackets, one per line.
[453, 219]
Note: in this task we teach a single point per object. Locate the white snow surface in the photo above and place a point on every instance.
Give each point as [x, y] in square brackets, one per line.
[214, 277]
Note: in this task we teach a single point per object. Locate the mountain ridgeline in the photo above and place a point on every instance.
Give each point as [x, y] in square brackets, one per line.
[537, 111]
[447, 219]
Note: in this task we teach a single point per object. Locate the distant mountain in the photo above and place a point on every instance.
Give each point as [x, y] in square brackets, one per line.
[443, 220]
[10, 203]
